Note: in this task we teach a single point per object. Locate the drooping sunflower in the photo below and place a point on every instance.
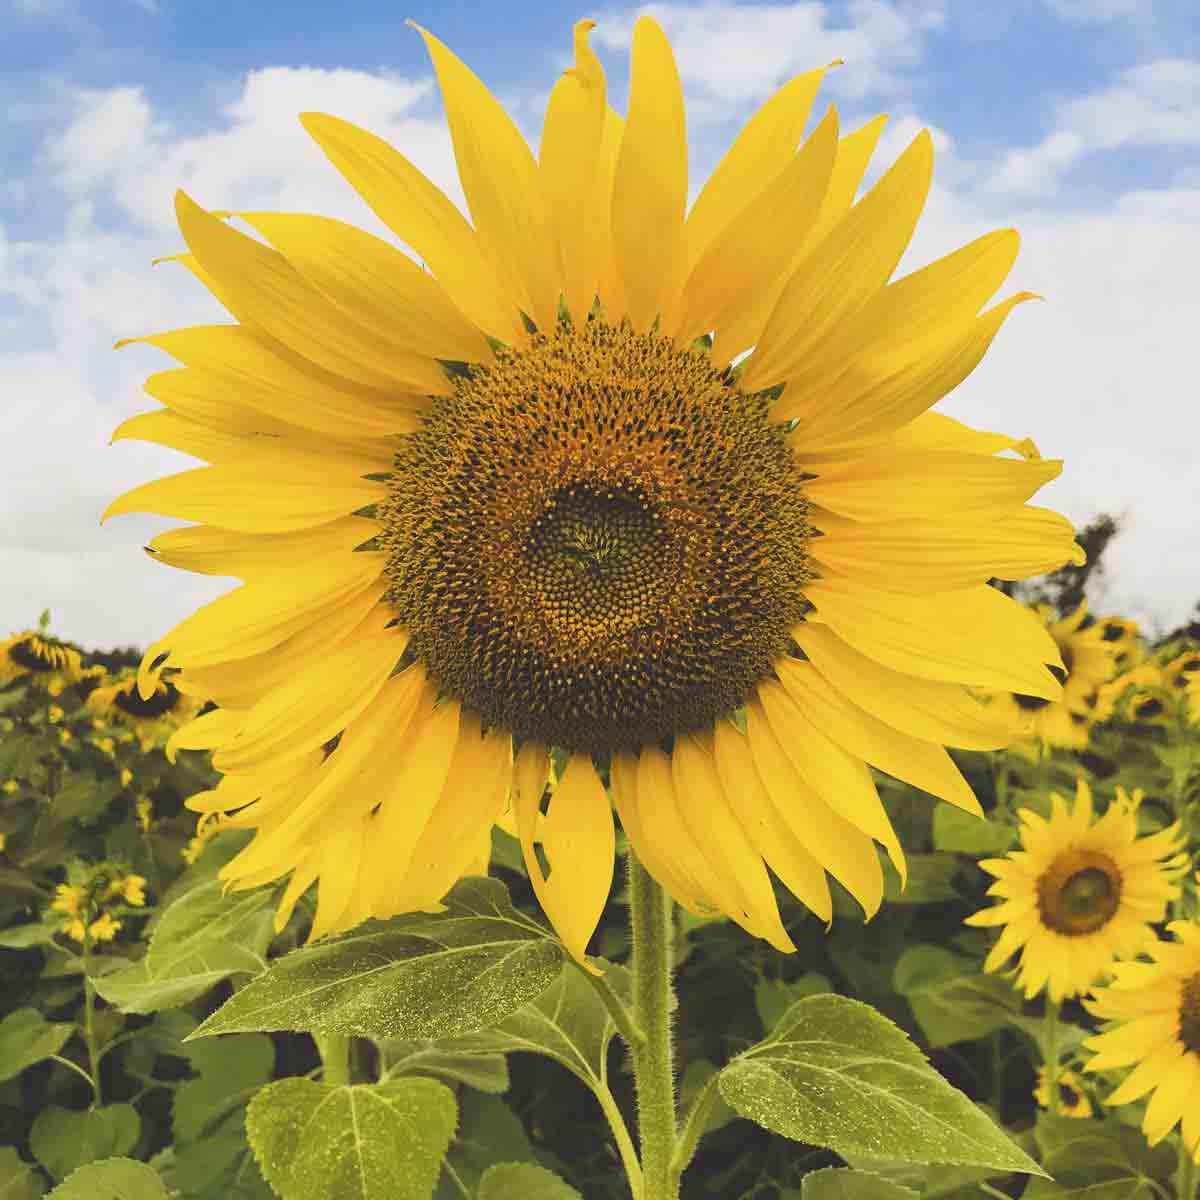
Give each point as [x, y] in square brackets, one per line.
[1087, 662]
[1078, 894]
[42, 660]
[1154, 1014]
[1072, 1099]
[152, 719]
[523, 503]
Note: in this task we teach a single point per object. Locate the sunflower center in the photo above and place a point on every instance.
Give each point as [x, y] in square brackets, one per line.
[1189, 1014]
[163, 701]
[1068, 1097]
[1080, 892]
[597, 541]
[38, 654]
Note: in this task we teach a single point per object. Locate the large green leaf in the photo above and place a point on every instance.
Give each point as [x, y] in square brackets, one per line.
[380, 1142]
[486, 1072]
[63, 1138]
[523, 1181]
[112, 1179]
[1099, 1161]
[19, 1180]
[26, 1037]
[952, 1000]
[231, 1070]
[836, 1073]
[419, 976]
[839, 1183]
[488, 1133]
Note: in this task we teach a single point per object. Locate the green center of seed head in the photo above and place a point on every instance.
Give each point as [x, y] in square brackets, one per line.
[1087, 892]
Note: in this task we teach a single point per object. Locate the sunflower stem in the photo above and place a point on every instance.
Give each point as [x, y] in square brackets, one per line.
[1050, 1054]
[652, 927]
[89, 1012]
[1186, 1188]
[335, 1058]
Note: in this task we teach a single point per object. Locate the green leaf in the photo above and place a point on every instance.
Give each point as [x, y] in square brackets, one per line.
[231, 1070]
[963, 833]
[83, 798]
[838, 1183]
[952, 1000]
[380, 1142]
[930, 880]
[488, 1132]
[520, 1181]
[22, 937]
[420, 977]
[200, 939]
[62, 1138]
[567, 1022]
[26, 1037]
[483, 1071]
[836, 1073]
[695, 1075]
[1100, 1160]
[931, 1182]
[112, 1179]
[19, 1180]
[220, 1166]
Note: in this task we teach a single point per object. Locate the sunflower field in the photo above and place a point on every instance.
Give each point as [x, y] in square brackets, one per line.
[635, 763]
[162, 1036]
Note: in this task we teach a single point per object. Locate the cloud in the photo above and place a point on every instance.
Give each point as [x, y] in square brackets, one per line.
[1152, 104]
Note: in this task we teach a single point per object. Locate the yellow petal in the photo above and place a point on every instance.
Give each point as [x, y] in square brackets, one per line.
[977, 636]
[743, 258]
[474, 793]
[259, 287]
[846, 269]
[374, 284]
[422, 217]
[742, 328]
[765, 147]
[650, 185]
[941, 554]
[578, 840]
[840, 779]
[568, 170]
[769, 834]
[917, 483]
[841, 849]
[214, 728]
[612, 290]
[231, 360]
[708, 814]
[926, 709]
[500, 180]
[936, 431]
[922, 764]
[338, 863]
[887, 386]
[317, 702]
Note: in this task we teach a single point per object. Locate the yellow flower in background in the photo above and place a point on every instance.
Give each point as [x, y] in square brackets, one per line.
[1155, 1013]
[205, 828]
[151, 720]
[130, 888]
[103, 929]
[3, 841]
[40, 660]
[64, 736]
[10, 786]
[54, 714]
[1087, 662]
[1123, 636]
[1072, 1100]
[69, 899]
[74, 928]
[126, 777]
[1078, 894]
[106, 745]
[511, 504]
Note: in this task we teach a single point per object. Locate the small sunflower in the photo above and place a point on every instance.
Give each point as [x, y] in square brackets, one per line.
[1078, 894]
[1123, 636]
[523, 502]
[1072, 1099]
[1154, 1010]
[41, 660]
[1087, 662]
[152, 719]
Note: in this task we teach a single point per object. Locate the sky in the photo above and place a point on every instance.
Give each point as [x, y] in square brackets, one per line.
[1075, 121]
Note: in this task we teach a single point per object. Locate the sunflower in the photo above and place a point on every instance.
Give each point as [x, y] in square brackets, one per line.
[522, 503]
[1087, 662]
[1072, 1099]
[1123, 636]
[1078, 894]
[153, 718]
[44, 661]
[1154, 1010]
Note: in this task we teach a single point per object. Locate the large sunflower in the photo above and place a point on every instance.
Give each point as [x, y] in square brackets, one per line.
[1078, 894]
[1088, 658]
[519, 503]
[1154, 1008]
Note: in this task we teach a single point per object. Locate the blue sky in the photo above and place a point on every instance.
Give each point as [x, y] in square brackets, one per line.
[1078, 121]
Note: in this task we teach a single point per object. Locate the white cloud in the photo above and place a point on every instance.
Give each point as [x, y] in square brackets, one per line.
[1152, 104]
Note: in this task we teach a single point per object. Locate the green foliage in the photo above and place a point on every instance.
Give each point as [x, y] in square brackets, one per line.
[843, 1184]
[26, 1037]
[63, 1138]
[112, 1179]
[519, 1181]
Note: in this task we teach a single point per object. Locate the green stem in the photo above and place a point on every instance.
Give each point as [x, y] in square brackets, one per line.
[89, 1009]
[621, 1016]
[1187, 1173]
[652, 926]
[625, 1146]
[1050, 1053]
[335, 1058]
